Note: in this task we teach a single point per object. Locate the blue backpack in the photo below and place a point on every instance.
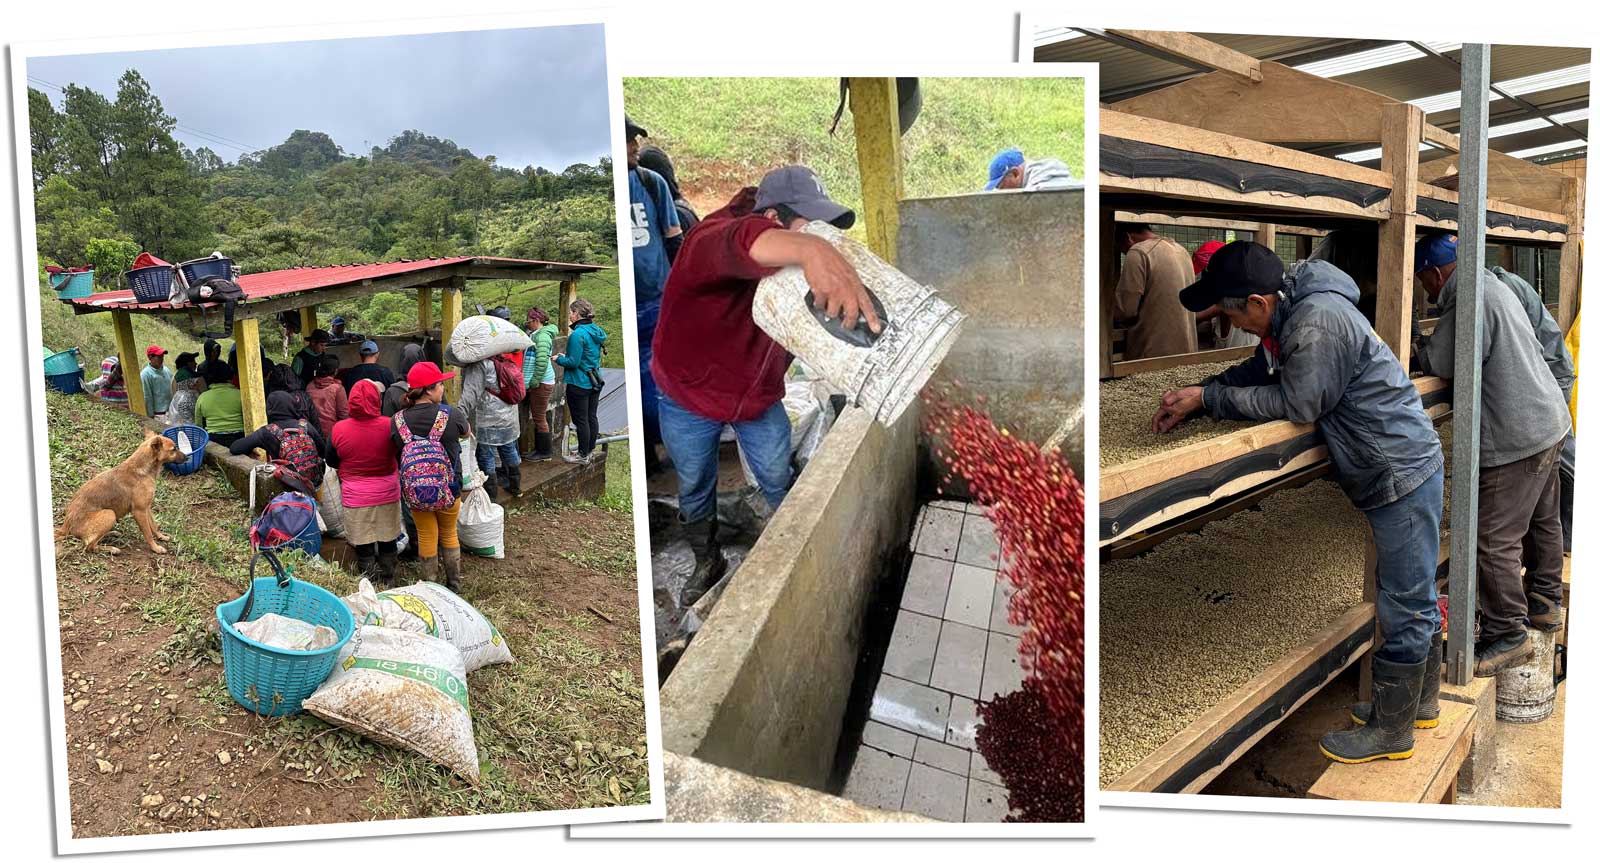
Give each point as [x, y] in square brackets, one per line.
[288, 521]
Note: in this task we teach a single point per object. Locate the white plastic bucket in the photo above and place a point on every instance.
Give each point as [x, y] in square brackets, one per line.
[884, 378]
[1527, 692]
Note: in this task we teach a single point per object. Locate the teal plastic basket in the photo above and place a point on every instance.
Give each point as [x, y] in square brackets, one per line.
[272, 681]
[63, 363]
[72, 286]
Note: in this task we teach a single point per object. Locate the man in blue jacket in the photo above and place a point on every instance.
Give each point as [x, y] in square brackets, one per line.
[1321, 362]
[656, 238]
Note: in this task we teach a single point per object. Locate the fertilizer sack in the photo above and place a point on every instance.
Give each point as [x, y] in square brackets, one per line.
[330, 506]
[405, 689]
[431, 609]
[481, 525]
[287, 633]
[881, 374]
[482, 336]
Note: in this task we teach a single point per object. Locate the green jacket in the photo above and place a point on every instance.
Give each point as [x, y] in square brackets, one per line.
[536, 360]
[219, 410]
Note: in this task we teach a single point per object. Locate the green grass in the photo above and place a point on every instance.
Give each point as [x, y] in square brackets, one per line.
[726, 132]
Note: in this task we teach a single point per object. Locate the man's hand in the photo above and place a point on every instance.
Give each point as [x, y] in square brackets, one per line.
[1176, 406]
[837, 287]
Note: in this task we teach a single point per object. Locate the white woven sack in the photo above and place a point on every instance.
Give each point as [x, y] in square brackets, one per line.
[431, 609]
[482, 336]
[481, 525]
[405, 689]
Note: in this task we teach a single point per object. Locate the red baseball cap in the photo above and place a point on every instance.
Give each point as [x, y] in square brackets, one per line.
[426, 374]
[154, 351]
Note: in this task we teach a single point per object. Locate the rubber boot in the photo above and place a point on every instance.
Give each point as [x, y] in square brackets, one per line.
[490, 481]
[1396, 688]
[367, 562]
[387, 561]
[514, 481]
[1428, 702]
[452, 568]
[708, 563]
[541, 447]
[428, 569]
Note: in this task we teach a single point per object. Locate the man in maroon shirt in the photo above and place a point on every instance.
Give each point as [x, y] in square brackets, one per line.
[713, 366]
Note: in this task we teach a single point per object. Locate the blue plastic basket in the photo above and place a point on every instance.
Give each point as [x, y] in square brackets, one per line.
[272, 681]
[71, 286]
[198, 438]
[63, 363]
[150, 284]
[197, 271]
[66, 382]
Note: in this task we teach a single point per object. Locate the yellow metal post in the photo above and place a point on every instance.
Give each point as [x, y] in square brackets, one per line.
[424, 308]
[308, 320]
[875, 107]
[128, 355]
[450, 316]
[252, 386]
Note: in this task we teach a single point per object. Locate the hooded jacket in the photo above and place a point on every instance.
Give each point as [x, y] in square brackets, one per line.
[1522, 410]
[1552, 342]
[709, 356]
[328, 395]
[494, 421]
[281, 412]
[364, 450]
[583, 353]
[1330, 368]
[536, 359]
[395, 396]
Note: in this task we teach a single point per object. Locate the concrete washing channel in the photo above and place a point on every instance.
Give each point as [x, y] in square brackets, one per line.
[799, 686]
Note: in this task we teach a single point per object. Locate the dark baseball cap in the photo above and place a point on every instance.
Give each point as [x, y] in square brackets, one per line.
[633, 128]
[798, 188]
[1238, 269]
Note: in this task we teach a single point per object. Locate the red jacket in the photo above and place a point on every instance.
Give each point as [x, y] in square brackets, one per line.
[709, 355]
[327, 395]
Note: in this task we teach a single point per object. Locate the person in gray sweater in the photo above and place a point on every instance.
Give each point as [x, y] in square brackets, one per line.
[1524, 420]
[1320, 362]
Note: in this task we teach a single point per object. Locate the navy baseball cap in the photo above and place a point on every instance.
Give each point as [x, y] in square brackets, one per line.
[1003, 161]
[368, 348]
[632, 128]
[798, 188]
[1238, 269]
[1435, 251]
[338, 320]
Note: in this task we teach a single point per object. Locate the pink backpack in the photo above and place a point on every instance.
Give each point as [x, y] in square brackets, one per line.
[425, 471]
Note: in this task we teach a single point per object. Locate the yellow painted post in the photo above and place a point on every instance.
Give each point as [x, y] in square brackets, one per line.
[128, 355]
[450, 316]
[308, 320]
[252, 386]
[875, 106]
[424, 308]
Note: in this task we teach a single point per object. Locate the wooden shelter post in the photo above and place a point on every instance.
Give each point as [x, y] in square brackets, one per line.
[558, 399]
[1397, 237]
[875, 107]
[128, 356]
[449, 318]
[1571, 256]
[1267, 235]
[252, 386]
[308, 321]
[425, 309]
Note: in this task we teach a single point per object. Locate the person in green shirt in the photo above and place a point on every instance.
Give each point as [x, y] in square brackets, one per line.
[156, 381]
[220, 410]
[539, 376]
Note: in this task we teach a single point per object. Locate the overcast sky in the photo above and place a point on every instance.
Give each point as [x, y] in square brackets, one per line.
[533, 96]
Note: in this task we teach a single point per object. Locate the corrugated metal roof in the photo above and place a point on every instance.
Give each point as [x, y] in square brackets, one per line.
[277, 283]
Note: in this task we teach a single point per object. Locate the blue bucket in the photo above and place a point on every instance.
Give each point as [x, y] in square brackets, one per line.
[272, 681]
[62, 363]
[68, 382]
[198, 438]
[72, 286]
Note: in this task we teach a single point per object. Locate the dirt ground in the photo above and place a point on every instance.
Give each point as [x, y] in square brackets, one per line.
[155, 744]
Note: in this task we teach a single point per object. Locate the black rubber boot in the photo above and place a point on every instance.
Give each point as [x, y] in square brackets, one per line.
[1396, 688]
[708, 563]
[367, 562]
[452, 568]
[388, 560]
[1428, 702]
[513, 478]
[541, 447]
[490, 481]
[1544, 612]
[1492, 657]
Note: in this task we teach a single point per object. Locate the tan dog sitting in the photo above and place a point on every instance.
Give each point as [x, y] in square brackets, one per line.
[129, 487]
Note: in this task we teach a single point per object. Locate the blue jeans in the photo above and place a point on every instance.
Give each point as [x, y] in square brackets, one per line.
[507, 452]
[648, 314]
[692, 439]
[1406, 534]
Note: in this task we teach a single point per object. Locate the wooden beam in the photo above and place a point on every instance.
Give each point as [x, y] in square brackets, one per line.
[1165, 133]
[524, 274]
[1172, 361]
[1397, 236]
[1572, 257]
[128, 357]
[1280, 108]
[1142, 217]
[425, 308]
[252, 386]
[1509, 179]
[1277, 203]
[1438, 137]
[1267, 235]
[1208, 730]
[875, 107]
[1202, 51]
[449, 318]
[1132, 546]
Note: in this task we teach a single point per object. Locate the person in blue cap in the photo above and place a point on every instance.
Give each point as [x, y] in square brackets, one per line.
[1320, 362]
[1523, 422]
[339, 335]
[371, 367]
[1009, 170]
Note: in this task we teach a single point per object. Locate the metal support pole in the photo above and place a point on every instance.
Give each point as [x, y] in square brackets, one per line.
[1468, 362]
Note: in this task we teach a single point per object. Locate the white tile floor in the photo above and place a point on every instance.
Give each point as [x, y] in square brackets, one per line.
[951, 644]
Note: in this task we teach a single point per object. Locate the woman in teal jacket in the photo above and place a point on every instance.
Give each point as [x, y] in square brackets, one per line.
[539, 376]
[582, 364]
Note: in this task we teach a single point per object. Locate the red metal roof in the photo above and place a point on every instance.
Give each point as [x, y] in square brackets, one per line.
[260, 286]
